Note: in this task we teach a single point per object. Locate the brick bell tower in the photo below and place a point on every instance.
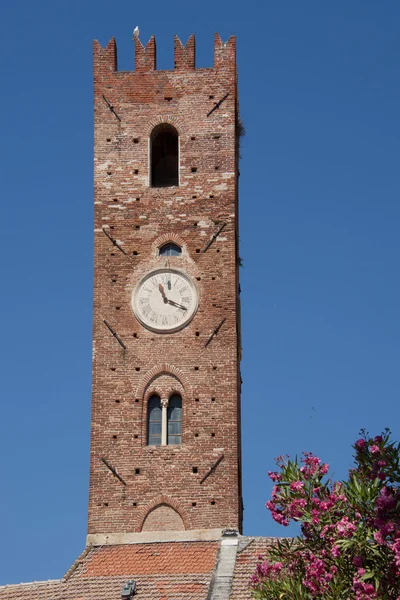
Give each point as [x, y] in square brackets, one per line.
[165, 433]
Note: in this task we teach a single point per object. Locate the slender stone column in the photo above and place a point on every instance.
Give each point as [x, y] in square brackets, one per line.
[164, 407]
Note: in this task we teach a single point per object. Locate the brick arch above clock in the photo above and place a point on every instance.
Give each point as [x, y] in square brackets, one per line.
[163, 239]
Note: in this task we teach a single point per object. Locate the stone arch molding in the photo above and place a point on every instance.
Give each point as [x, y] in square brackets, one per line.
[158, 502]
[156, 371]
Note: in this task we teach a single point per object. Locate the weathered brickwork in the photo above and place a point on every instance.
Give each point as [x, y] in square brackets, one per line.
[163, 518]
[132, 220]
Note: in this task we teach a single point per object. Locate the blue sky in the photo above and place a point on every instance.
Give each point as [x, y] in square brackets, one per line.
[320, 212]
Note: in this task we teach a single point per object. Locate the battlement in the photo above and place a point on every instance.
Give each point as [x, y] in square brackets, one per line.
[165, 188]
[184, 55]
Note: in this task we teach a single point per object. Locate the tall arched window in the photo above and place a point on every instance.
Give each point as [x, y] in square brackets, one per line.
[164, 156]
[164, 420]
[174, 420]
[154, 421]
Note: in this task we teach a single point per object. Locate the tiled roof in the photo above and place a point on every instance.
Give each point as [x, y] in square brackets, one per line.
[246, 559]
[151, 559]
[163, 571]
[38, 590]
[176, 587]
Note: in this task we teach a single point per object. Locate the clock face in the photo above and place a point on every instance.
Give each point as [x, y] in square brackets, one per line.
[165, 300]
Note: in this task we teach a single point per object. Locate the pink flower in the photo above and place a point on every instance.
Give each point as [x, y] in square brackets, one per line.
[375, 449]
[360, 444]
[324, 469]
[276, 490]
[335, 552]
[385, 502]
[279, 518]
[379, 538]
[315, 520]
[274, 476]
[296, 486]
[345, 528]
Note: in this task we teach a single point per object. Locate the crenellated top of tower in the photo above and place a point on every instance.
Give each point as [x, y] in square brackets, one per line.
[184, 55]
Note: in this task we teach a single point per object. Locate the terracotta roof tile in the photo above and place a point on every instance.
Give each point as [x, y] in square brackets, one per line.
[246, 560]
[38, 590]
[150, 559]
[175, 587]
[163, 571]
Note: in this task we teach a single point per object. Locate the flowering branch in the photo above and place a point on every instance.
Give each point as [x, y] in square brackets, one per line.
[349, 547]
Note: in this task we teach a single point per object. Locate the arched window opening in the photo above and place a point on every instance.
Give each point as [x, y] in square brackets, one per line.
[154, 421]
[170, 249]
[164, 156]
[174, 419]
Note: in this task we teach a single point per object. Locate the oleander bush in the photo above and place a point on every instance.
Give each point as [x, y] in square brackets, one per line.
[349, 547]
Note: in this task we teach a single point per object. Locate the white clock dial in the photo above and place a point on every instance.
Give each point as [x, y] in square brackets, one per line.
[165, 300]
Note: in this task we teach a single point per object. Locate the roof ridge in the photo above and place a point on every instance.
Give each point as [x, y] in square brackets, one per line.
[42, 582]
[69, 573]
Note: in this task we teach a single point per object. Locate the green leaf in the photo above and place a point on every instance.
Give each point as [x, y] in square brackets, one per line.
[367, 575]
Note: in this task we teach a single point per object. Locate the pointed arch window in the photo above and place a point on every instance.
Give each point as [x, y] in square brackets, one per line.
[164, 156]
[170, 249]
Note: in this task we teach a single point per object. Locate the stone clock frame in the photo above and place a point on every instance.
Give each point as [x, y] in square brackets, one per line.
[155, 272]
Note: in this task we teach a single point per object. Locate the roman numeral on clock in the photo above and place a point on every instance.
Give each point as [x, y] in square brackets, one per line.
[146, 309]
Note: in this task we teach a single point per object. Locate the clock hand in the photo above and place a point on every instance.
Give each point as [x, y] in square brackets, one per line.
[161, 288]
[176, 304]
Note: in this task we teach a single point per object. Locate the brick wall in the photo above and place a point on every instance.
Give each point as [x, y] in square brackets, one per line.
[139, 219]
[163, 518]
